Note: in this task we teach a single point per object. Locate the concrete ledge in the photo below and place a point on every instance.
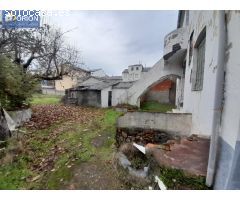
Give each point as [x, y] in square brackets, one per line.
[20, 116]
[173, 123]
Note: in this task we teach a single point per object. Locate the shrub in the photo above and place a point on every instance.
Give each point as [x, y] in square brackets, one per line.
[16, 86]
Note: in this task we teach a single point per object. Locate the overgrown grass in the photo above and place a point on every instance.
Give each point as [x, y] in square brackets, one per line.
[154, 106]
[44, 99]
[176, 179]
[75, 139]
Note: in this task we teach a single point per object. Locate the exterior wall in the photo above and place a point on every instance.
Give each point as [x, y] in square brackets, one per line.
[52, 91]
[134, 73]
[176, 37]
[201, 103]
[119, 96]
[159, 96]
[179, 124]
[204, 104]
[89, 98]
[227, 173]
[179, 92]
[66, 83]
[159, 92]
[104, 97]
[158, 71]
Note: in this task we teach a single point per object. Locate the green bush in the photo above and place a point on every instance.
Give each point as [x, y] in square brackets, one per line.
[16, 86]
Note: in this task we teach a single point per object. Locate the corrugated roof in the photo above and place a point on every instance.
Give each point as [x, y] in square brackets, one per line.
[103, 82]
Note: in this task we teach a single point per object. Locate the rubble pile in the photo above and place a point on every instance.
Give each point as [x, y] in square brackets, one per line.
[141, 136]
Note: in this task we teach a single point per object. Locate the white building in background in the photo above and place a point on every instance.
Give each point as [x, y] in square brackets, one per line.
[134, 72]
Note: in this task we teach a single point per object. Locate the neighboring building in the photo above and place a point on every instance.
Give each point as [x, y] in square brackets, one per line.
[120, 93]
[95, 91]
[134, 72]
[70, 80]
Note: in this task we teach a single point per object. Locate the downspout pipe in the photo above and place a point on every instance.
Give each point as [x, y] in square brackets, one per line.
[218, 99]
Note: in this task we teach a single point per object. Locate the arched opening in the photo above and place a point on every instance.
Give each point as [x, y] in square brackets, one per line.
[161, 95]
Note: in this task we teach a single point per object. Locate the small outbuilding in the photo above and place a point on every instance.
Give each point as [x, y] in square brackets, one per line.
[95, 91]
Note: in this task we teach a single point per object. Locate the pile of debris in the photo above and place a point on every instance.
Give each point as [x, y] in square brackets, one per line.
[141, 136]
[187, 154]
[137, 166]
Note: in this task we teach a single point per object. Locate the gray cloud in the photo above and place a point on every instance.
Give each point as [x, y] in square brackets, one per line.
[113, 40]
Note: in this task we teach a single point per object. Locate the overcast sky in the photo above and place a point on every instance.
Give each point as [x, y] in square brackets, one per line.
[112, 40]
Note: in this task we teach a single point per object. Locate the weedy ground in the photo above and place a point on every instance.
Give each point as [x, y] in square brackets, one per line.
[153, 106]
[45, 99]
[65, 147]
[54, 147]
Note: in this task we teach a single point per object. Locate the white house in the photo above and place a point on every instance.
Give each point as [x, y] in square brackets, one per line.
[58, 87]
[211, 87]
[203, 54]
[134, 72]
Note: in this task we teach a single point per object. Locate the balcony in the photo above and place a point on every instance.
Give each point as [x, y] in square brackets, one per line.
[175, 45]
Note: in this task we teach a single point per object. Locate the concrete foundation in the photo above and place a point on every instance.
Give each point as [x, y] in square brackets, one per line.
[20, 116]
[173, 123]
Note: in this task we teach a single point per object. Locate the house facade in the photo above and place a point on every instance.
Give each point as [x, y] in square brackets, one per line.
[58, 87]
[202, 55]
[134, 72]
[209, 87]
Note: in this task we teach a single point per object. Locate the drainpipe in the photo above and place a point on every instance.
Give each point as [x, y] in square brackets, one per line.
[218, 100]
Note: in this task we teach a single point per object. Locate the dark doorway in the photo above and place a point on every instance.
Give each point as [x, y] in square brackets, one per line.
[109, 98]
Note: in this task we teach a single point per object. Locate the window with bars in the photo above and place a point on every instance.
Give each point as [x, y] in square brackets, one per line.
[199, 64]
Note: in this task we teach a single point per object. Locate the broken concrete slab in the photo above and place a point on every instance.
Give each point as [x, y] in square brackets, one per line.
[189, 155]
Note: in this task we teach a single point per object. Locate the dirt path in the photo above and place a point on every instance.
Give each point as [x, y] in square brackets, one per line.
[99, 172]
[95, 175]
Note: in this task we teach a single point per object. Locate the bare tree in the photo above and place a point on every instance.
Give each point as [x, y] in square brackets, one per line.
[44, 50]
